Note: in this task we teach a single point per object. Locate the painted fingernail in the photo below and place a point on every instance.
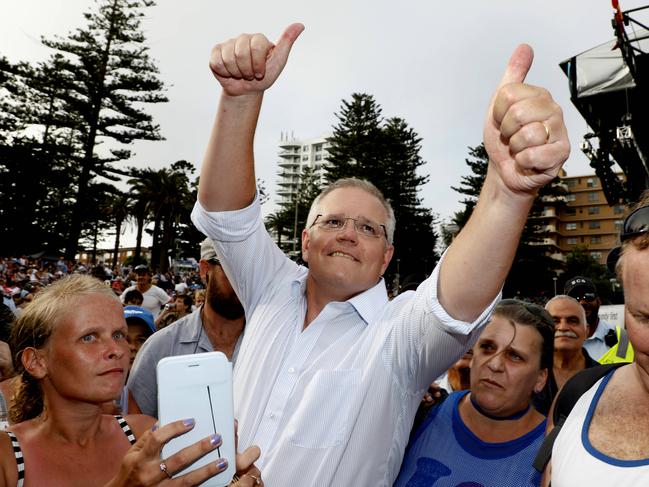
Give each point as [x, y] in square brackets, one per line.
[154, 427]
[215, 439]
[189, 422]
[222, 463]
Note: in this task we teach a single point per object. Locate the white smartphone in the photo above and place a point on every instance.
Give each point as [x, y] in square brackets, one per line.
[199, 386]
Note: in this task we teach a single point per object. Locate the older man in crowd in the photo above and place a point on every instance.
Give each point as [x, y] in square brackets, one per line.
[570, 355]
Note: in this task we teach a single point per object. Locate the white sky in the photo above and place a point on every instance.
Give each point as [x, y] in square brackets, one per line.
[435, 64]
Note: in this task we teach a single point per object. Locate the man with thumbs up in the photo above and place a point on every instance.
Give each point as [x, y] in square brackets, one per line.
[330, 372]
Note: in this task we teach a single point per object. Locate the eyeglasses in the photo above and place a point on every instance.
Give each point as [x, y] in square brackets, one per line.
[363, 226]
[637, 223]
[214, 261]
[585, 297]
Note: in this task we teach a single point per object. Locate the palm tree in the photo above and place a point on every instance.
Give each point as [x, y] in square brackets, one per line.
[144, 183]
[164, 196]
[118, 209]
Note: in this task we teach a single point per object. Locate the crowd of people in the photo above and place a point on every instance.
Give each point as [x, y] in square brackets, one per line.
[335, 383]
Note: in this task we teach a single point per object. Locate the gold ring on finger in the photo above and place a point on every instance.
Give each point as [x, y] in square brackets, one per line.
[547, 132]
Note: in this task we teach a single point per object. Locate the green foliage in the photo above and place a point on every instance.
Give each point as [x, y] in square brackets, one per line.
[165, 197]
[92, 89]
[471, 185]
[386, 152]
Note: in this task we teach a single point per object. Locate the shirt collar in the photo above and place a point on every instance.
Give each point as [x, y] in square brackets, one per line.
[367, 304]
[192, 329]
[601, 331]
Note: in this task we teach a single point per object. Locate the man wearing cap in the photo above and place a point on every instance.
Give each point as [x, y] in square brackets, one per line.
[154, 297]
[216, 326]
[602, 336]
[140, 327]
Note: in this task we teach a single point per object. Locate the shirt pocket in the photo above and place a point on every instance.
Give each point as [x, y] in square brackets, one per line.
[322, 416]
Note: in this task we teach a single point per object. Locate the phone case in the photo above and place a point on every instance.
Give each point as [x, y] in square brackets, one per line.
[199, 386]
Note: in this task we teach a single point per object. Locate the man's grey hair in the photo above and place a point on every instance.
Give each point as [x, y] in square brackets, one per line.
[366, 186]
[565, 297]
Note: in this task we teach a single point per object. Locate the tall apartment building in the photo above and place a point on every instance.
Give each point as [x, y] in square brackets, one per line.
[294, 155]
[585, 220]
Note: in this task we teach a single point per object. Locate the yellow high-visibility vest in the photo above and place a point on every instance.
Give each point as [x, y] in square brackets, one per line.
[622, 351]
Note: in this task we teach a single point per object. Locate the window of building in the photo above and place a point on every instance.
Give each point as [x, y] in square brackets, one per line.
[570, 211]
[596, 255]
[619, 224]
[593, 196]
[571, 240]
[571, 183]
[318, 147]
[305, 148]
[593, 210]
[571, 226]
[618, 209]
[318, 157]
[590, 182]
[593, 225]
[305, 158]
[596, 240]
[571, 197]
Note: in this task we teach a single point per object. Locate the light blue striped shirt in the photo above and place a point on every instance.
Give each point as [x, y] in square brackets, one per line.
[332, 404]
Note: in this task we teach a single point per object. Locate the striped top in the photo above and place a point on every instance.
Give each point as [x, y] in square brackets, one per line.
[18, 454]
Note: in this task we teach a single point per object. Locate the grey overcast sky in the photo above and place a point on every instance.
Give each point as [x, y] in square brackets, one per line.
[433, 63]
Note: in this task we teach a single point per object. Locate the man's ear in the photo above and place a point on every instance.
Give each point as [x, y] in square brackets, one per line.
[387, 257]
[34, 362]
[306, 240]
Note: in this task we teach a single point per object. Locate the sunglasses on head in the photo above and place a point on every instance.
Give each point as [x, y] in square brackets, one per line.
[214, 261]
[637, 223]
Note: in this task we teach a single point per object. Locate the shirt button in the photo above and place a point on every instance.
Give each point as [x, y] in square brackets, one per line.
[271, 415]
[291, 370]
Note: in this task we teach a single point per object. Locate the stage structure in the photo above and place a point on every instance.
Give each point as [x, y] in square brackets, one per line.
[609, 85]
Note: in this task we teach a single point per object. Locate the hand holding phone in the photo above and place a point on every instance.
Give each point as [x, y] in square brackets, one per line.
[199, 386]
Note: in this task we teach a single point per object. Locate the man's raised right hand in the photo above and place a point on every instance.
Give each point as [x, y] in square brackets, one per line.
[251, 63]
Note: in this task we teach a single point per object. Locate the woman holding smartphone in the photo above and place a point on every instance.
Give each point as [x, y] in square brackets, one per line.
[71, 354]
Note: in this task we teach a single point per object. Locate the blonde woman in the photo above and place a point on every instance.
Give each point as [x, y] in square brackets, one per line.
[71, 354]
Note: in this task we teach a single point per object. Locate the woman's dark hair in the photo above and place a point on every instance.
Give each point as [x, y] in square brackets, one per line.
[522, 313]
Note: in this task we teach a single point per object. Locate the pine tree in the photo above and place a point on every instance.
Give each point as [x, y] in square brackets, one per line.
[113, 76]
[386, 152]
[35, 139]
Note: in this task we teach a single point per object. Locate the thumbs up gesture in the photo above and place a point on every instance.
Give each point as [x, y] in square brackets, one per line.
[524, 133]
[251, 63]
